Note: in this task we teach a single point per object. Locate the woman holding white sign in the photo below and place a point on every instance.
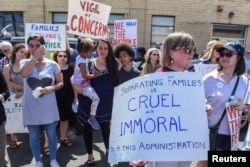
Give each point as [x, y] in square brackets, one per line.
[178, 51]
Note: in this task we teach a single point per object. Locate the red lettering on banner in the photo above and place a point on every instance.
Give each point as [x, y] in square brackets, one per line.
[119, 26]
[234, 117]
[119, 30]
[120, 34]
[71, 23]
[235, 124]
[233, 113]
[90, 7]
[132, 42]
[88, 26]
[48, 36]
[235, 138]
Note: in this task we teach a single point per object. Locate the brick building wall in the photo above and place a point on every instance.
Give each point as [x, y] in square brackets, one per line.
[193, 16]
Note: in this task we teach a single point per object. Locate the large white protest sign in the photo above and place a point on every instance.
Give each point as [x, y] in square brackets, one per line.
[205, 68]
[159, 117]
[125, 31]
[234, 120]
[14, 114]
[54, 35]
[88, 18]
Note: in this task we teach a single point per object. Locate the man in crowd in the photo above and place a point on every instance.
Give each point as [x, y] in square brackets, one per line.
[5, 48]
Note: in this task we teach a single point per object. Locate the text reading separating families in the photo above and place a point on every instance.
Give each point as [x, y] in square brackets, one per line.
[153, 102]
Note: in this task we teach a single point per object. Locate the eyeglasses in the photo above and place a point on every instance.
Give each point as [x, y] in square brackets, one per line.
[64, 56]
[6, 50]
[155, 54]
[227, 54]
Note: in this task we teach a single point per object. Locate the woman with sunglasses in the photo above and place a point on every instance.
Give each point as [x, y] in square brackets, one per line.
[219, 85]
[178, 51]
[211, 55]
[152, 61]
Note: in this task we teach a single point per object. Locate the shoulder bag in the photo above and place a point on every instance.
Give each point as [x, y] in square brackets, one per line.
[214, 131]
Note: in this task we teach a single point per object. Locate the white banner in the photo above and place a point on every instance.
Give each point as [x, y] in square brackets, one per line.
[159, 117]
[234, 120]
[54, 35]
[88, 18]
[14, 114]
[125, 31]
[205, 68]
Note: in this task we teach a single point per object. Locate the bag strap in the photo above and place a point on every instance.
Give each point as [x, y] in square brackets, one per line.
[225, 110]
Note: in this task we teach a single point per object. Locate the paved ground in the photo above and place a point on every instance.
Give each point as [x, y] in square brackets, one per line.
[74, 156]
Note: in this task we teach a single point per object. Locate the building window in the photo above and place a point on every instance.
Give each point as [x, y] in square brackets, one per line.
[15, 20]
[59, 18]
[111, 21]
[229, 33]
[161, 27]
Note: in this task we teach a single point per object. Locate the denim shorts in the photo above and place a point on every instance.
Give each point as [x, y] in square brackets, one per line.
[223, 142]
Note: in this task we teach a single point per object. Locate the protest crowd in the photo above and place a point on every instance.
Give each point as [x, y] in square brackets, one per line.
[103, 85]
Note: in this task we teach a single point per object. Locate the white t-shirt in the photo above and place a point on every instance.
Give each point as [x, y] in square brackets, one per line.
[41, 110]
[77, 76]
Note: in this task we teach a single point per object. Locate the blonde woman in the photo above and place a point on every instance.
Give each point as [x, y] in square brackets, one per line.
[152, 61]
[211, 55]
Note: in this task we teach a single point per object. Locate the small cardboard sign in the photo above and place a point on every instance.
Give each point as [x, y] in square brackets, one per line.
[14, 114]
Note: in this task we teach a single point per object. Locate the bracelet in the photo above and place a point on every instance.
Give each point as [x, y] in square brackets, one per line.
[35, 60]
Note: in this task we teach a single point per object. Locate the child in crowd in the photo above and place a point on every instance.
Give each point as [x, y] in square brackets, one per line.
[125, 53]
[82, 76]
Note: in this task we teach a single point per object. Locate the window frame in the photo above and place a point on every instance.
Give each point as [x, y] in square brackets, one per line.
[161, 25]
[230, 36]
[16, 19]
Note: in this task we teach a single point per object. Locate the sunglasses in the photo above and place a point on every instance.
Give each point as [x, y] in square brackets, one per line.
[155, 54]
[65, 56]
[216, 48]
[227, 54]
[188, 50]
